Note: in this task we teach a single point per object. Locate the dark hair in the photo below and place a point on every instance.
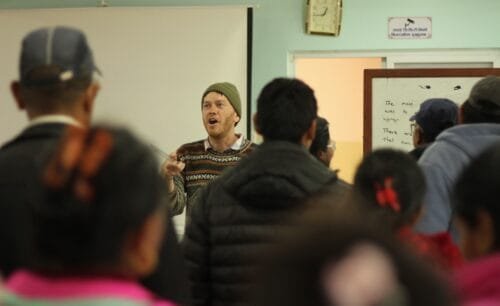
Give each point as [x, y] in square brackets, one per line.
[83, 220]
[407, 183]
[477, 189]
[49, 97]
[292, 269]
[322, 137]
[475, 114]
[286, 109]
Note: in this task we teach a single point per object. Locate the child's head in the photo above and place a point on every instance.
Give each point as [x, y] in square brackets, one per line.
[102, 211]
[477, 206]
[391, 181]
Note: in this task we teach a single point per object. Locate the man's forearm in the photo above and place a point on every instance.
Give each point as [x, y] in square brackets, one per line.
[176, 196]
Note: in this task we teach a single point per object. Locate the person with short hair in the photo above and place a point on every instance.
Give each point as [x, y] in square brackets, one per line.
[97, 231]
[197, 163]
[239, 213]
[57, 88]
[453, 150]
[434, 116]
[323, 147]
[477, 217]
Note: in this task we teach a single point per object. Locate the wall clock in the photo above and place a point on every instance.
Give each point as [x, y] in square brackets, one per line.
[324, 17]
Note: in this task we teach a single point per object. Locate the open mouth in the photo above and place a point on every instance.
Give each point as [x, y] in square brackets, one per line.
[212, 121]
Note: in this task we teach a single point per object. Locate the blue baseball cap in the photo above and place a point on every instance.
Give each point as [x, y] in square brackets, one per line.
[435, 115]
[66, 49]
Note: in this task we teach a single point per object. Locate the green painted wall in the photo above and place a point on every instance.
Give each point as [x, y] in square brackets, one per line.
[279, 26]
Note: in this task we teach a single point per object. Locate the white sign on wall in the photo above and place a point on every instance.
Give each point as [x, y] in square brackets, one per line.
[410, 27]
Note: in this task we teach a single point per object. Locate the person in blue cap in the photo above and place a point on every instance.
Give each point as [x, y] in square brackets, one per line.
[433, 117]
[57, 88]
[453, 150]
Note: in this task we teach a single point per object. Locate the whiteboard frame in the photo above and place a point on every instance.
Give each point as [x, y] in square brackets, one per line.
[371, 74]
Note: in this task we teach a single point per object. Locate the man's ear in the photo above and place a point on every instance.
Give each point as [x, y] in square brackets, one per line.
[308, 137]
[15, 88]
[237, 119]
[419, 139]
[321, 155]
[255, 124]
[90, 95]
[485, 232]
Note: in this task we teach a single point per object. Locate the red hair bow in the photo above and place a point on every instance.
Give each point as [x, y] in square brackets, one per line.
[81, 152]
[386, 195]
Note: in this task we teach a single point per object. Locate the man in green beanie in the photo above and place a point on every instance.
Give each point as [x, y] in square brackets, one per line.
[197, 163]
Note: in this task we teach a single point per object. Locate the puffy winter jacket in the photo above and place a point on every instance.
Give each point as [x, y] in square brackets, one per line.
[241, 212]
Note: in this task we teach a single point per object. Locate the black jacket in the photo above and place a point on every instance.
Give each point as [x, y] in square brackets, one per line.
[19, 179]
[238, 215]
[20, 168]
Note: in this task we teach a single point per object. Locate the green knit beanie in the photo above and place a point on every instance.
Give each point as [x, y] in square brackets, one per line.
[228, 90]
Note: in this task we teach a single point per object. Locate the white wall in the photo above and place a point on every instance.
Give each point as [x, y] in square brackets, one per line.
[156, 63]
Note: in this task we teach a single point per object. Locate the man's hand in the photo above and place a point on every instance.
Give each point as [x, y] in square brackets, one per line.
[170, 168]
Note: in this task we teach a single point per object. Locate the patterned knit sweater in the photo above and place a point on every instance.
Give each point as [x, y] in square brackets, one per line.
[202, 166]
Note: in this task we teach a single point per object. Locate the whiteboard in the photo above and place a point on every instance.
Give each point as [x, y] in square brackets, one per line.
[156, 63]
[393, 96]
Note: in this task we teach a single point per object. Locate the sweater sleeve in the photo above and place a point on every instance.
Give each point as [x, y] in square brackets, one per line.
[177, 198]
[197, 251]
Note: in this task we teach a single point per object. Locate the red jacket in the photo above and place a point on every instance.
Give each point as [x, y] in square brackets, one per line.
[438, 248]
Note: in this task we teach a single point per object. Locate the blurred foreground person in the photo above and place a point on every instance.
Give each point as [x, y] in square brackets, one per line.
[390, 185]
[336, 258]
[99, 227]
[478, 221]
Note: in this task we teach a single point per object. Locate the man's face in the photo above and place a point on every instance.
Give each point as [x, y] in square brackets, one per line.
[326, 156]
[416, 131]
[330, 150]
[219, 116]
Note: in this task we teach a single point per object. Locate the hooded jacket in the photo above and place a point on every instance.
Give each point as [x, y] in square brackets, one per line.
[443, 162]
[241, 213]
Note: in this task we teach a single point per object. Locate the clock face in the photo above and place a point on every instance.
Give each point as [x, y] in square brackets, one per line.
[324, 16]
